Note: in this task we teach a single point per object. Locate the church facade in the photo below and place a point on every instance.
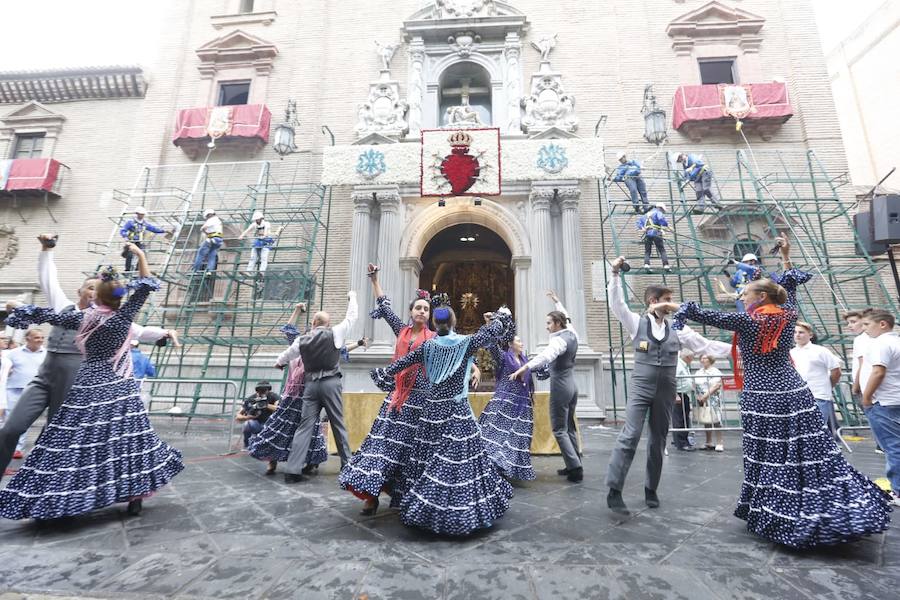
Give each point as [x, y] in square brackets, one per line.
[470, 140]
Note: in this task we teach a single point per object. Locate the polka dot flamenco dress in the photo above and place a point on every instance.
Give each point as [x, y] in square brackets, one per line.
[507, 422]
[381, 460]
[798, 489]
[454, 488]
[274, 441]
[99, 447]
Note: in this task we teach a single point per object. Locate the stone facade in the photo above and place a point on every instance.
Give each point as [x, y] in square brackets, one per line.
[323, 56]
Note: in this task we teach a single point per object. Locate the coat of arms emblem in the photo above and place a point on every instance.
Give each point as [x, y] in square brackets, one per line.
[459, 168]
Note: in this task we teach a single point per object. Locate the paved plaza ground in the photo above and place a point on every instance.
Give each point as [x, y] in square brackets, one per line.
[224, 530]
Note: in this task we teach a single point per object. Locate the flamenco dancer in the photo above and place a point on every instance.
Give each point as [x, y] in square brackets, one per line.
[507, 422]
[798, 490]
[273, 443]
[381, 459]
[559, 357]
[49, 388]
[652, 384]
[99, 448]
[453, 486]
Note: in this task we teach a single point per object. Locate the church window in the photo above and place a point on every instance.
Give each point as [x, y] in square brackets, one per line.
[246, 6]
[28, 145]
[717, 70]
[233, 92]
[466, 84]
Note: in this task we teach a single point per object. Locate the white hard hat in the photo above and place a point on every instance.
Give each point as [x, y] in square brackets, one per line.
[140, 210]
[660, 206]
[135, 343]
[750, 256]
[208, 212]
[257, 215]
[620, 155]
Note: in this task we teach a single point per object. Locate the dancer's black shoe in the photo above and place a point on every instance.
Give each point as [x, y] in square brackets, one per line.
[562, 472]
[135, 507]
[272, 466]
[310, 469]
[370, 509]
[651, 498]
[293, 478]
[575, 475]
[615, 502]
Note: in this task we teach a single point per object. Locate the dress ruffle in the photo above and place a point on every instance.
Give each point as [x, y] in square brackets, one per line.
[507, 425]
[277, 435]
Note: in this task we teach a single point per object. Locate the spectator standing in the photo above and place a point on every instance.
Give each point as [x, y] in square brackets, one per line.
[681, 411]
[709, 386]
[820, 368]
[17, 368]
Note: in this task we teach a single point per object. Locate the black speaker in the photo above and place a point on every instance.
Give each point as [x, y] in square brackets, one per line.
[886, 217]
[863, 223]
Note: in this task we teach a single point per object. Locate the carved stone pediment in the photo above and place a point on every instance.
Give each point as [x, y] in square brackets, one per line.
[33, 111]
[548, 105]
[374, 139]
[384, 112]
[237, 49]
[553, 133]
[442, 18]
[716, 20]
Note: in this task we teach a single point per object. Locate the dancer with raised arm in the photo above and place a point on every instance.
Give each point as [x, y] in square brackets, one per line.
[652, 385]
[49, 388]
[273, 443]
[380, 462]
[320, 349]
[507, 422]
[454, 488]
[559, 355]
[798, 489]
[99, 447]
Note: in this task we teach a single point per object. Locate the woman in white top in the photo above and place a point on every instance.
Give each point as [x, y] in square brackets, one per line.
[709, 386]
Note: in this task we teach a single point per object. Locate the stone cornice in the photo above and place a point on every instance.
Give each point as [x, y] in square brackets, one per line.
[67, 85]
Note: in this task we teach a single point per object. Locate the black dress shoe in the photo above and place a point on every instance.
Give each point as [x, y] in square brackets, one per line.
[615, 502]
[651, 498]
[293, 478]
[575, 475]
[370, 509]
[310, 469]
[562, 472]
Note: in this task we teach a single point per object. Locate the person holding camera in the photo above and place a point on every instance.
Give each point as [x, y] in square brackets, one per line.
[257, 409]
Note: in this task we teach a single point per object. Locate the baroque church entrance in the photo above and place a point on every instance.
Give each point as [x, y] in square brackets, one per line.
[471, 264]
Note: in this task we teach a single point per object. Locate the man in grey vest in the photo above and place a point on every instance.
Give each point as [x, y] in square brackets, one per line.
[48, 390]
[321, 354]
[652, 385]
[559, 355]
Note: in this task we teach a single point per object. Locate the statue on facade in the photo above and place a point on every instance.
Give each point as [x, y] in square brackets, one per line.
[451, 9]
[548, 105]
[545, 45]
[462, 116]
[386, 54]
[384, 112]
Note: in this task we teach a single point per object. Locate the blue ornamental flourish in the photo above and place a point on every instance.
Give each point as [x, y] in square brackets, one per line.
[371, 164]
[552, 158]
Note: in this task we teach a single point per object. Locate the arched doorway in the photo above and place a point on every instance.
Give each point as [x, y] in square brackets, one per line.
[471, 264]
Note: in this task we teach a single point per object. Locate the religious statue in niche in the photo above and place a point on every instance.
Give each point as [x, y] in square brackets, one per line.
[462, 116]
[384, 112]
[451, 9]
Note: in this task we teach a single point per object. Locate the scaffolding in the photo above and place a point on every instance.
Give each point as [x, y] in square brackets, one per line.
[226, 316]
[768, 193]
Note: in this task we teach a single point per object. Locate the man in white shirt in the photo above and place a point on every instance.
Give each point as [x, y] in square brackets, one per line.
[559, 356]
[48, 390]
[652, 385]
[320, 350]
[820, 368]
[211, 230]
[881, 397]
[17, 369]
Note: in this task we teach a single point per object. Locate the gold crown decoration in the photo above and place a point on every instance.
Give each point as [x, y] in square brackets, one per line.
[460, 139]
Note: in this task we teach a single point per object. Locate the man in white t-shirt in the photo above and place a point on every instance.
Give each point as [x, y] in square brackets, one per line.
[859, 369]
[820, 368]
[881, 396]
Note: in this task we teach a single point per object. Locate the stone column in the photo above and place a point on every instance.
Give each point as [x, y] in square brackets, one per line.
[359, 254]
[573, 268]
[512, 49]
[410, 269]
[388, 257]
[416, 85]
[521, 266]
[542, 253]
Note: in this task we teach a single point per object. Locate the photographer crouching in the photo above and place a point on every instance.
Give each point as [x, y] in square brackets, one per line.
[257, 409]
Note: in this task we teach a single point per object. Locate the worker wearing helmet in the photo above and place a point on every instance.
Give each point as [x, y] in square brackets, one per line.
[262, 242]
[629, 172]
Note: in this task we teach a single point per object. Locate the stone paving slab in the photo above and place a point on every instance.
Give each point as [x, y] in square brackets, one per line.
[222, 529]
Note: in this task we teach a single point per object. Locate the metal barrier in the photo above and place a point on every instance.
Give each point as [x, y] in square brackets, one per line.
[161, 389]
